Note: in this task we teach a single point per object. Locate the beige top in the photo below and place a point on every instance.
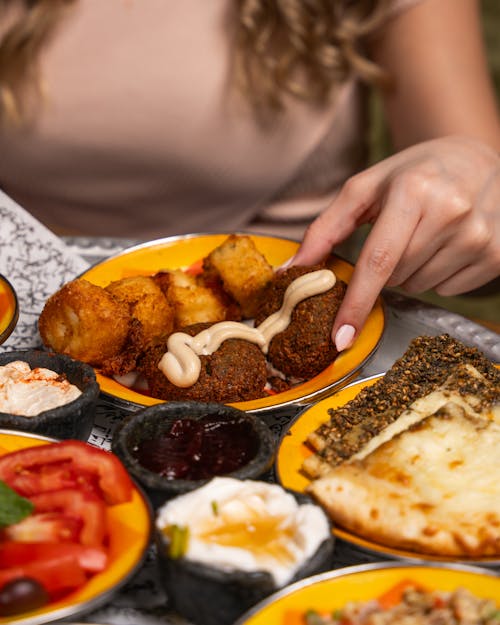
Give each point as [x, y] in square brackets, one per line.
[140, 136]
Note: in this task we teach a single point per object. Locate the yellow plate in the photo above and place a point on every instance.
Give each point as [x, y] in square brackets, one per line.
[331, 591]
[292, 452]
[130, 527]
[9, 310]
[181, 253]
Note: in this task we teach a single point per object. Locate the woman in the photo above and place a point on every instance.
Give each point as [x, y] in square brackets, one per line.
[156, 118]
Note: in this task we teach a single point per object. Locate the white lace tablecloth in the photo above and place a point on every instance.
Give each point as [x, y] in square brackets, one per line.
[37, 263]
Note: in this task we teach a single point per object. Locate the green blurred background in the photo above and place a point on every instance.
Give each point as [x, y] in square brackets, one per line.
[484, 303]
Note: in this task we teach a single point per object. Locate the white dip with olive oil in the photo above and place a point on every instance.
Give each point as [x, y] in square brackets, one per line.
[245, 525]
[28, 392]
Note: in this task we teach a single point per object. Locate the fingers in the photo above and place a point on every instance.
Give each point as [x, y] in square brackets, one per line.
[443, 214]
[469, 241]
[381, 253]
[347, 211]
[357, 203]
[446, 263]
[436, 225]
[469, 278]
[470, 259]
[320, 237]
[455, 252]
[428, 235]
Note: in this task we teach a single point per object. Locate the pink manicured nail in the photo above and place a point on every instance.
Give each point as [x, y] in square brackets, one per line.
[344, 337]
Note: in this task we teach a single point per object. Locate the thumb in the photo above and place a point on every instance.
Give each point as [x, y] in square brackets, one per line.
[317, 243]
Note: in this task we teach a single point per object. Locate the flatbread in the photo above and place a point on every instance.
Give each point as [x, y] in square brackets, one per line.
[433, 488]
[414, 388]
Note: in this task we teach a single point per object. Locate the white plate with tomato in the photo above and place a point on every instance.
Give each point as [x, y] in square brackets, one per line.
[74, 528]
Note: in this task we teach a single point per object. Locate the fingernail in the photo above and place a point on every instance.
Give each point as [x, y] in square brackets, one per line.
[344, 337]
[286, 264]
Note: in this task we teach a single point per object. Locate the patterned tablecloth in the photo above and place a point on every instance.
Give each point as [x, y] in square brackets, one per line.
[37, 263]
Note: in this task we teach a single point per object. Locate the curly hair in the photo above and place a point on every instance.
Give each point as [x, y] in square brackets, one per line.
[304, 48]
[299, 48]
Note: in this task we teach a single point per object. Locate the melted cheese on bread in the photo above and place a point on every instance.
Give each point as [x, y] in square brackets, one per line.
[433, 488]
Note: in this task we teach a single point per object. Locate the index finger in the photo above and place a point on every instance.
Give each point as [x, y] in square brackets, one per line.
[348, 210]
[336, 222]
[377, 261]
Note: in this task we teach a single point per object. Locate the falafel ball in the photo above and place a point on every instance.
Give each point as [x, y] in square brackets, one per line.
[235, 372]
[84, 321]
[305, 347]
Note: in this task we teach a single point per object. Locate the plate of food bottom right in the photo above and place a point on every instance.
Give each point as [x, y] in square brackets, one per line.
[386, 593]
[407, 463]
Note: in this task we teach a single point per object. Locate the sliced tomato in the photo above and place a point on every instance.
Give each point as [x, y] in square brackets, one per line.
[76, 504]
[91, 559]
[45, 527]
[112, 476]
[57, 575]
[41, 479]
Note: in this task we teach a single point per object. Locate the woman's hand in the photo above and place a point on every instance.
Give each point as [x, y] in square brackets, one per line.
[435, 210]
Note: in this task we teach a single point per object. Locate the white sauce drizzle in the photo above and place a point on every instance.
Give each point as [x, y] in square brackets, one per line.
[181, 363]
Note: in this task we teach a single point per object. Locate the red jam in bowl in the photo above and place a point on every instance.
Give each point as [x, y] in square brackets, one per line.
[198, 449]
[8, 309]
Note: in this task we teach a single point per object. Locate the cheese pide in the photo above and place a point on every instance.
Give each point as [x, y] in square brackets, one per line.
[423, 476]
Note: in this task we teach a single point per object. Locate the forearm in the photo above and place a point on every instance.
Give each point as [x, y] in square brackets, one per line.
[435, 54]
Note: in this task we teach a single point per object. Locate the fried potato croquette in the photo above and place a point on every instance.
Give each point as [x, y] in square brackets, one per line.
[84, 321]
[236, 371]
[147, 304]
[193, 301]
[243, 271]
[305, 347]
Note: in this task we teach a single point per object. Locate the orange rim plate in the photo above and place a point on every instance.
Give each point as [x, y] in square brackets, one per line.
[330, 591]
[130, 533]
[183, 252]
[9, 309]
[292, 451]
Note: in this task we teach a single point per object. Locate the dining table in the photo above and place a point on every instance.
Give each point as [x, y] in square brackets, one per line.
[142, 601]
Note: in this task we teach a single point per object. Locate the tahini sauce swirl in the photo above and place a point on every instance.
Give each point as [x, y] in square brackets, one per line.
[181, 363]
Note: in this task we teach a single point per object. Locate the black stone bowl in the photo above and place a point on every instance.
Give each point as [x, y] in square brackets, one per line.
[72, 420]
[208, 596]
[155, 421]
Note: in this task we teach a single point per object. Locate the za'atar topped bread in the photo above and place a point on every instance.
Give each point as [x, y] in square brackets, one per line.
[412, 462]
